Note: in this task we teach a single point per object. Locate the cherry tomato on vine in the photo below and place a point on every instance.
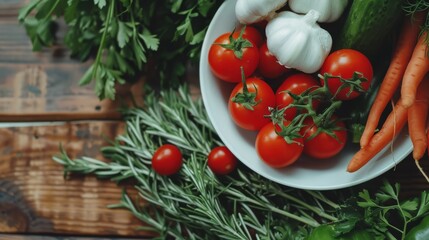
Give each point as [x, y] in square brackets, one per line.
[228, 53]
[296, 84]
[344, 63]
[249, 104]
[268, 65]
[274, 150]
[221, 160]
[167, 160]
[327, 143]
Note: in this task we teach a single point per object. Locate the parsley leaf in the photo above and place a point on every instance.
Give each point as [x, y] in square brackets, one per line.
[124, 38]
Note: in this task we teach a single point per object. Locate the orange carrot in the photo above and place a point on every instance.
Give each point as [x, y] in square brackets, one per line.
[391, 127]
[417, 116]
[416, 70]
[401, 56]
[427, 139]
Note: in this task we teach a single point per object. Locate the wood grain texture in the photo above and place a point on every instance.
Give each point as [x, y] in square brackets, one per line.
[36, 237]
[34, 196]
[36, 86]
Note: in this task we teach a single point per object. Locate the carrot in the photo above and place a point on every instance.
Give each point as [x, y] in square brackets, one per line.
[427, 132]
[391, 127]
[417, 116]
[401, 56]
[416, 70]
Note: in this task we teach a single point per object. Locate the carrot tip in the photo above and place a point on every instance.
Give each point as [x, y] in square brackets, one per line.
[418, 155]
[352, 168]
[407, 101]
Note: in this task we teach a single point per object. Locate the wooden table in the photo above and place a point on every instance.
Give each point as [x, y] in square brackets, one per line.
[42, 106]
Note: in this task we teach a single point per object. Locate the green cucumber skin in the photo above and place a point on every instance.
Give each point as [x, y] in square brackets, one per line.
[369, 24]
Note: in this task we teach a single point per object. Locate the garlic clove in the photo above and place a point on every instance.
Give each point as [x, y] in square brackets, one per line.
[251, 11]
[330, 10]
[298, 41]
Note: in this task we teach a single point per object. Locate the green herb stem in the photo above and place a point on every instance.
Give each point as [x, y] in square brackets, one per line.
[102, 45]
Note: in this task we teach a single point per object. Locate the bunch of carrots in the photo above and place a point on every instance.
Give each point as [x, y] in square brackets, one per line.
[408, 70]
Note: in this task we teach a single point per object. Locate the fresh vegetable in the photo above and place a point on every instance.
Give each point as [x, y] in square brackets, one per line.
[392, 79]
[252, 11]
[252, 34]
[295, 84]
[269, 67]
[330, 10]
[167, 160]
[328, 232]
[417, 118]
[417, 68]
[249, 103]
[199, 205]
[123, 39]
[228, 54]
[298, 41]
[278, 146]
[356, 112]
[368, 24]
[323, 140]
[221, 160]
[420, 231]
[391, 127]
[347, 65]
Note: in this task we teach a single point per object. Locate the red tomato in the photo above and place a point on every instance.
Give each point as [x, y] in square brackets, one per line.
[274, 150]
[167, 160]
[268, 66]
[221, 160]
[323, 145]
[252, 34]
[296, 84]
[263, 98]
[225, 64]
[344, 63]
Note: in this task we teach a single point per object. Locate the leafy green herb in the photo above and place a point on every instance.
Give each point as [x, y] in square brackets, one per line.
[411, 7]
[196, 204]
[127, 38]
[385, 207]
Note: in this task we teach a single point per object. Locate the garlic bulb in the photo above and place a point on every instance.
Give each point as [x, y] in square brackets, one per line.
[330, 10]
[298, 41]
[251, 11]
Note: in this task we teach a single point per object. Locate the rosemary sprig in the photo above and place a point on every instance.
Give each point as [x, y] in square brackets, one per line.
[196, 202]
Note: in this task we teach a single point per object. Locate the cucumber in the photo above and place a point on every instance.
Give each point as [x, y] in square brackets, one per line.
[368, 24]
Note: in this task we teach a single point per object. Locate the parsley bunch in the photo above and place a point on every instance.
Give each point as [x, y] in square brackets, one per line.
[126, 38]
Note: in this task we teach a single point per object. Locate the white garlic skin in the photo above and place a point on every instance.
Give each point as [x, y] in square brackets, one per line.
[251, 11]
[330, 10]
[298, 41]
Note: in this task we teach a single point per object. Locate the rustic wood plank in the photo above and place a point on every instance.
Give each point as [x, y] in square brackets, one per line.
[34, 196]
[10, 8]
[37, 86]
[44, 237]
[51, 92]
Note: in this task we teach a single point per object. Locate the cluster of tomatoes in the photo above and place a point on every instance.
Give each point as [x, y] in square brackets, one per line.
[264, 88]
[168, 160]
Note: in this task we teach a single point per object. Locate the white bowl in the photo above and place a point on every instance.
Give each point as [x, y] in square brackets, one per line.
[306, 173]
